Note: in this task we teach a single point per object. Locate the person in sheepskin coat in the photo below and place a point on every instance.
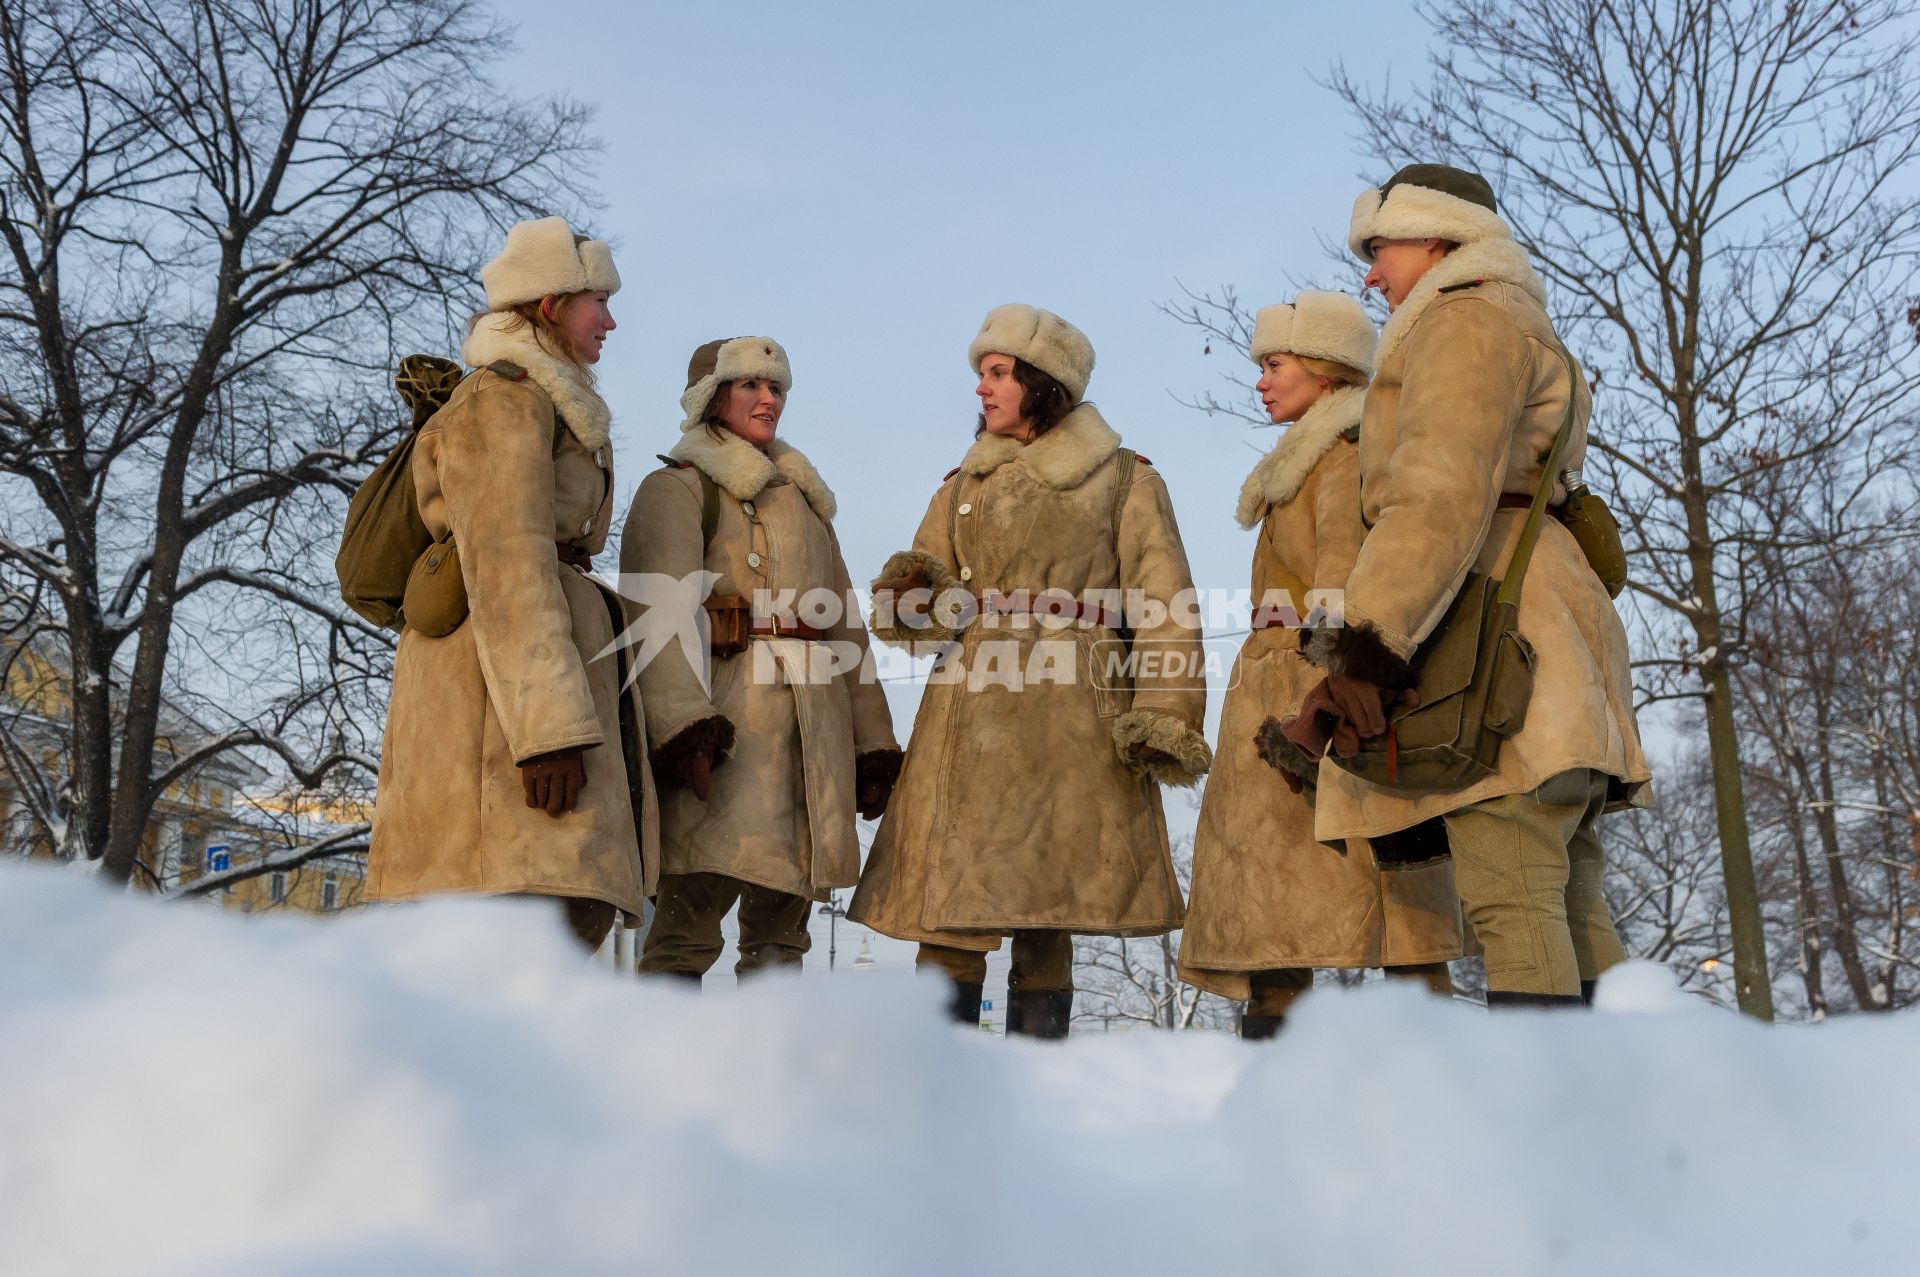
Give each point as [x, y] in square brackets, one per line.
[762, 755]
[1470, 392]
[512, 758]
[1269, 903]
[1029, 804]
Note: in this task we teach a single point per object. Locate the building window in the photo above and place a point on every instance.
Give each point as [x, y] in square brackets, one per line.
[277, 887]
[330, 893]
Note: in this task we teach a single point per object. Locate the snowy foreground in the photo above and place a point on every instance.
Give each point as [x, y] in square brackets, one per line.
[450, 1089]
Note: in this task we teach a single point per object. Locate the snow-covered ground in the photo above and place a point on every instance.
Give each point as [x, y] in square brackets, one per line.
[452, 1089]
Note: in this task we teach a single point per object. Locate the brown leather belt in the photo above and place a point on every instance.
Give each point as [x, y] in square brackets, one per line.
[573, 556]
[1048, 605]
[1522, 501]
[777, 627]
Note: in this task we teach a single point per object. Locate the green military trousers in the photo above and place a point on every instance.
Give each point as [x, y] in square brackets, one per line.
[684, 938]
[1042, 961]
[1531, 874]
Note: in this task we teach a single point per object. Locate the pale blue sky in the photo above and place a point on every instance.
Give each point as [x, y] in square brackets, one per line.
[863, 181]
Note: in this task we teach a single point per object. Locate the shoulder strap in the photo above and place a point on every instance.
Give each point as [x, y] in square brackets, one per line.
[709, 497]
[1123, 484]
[508, 369]
[709, 508]
[953, 505]
[1536, 513]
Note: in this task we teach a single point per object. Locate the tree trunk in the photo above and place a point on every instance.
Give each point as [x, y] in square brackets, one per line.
[1752, 984]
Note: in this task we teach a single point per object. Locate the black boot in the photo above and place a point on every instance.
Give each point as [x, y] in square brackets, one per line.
[1586, 991]
[1255, 1027]
[1498, 1000]
[1039, 1013]
[963, 1007]
[676, 977]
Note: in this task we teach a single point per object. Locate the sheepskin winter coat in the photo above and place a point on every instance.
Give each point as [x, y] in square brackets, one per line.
[1016, 808]
[806, 716]
[1468, 395]
[512, 468]
[1265, 893]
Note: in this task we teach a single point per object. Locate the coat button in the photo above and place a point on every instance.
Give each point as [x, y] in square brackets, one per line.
[966, 574]
[748, 507]
[753, 560]
[966, 507]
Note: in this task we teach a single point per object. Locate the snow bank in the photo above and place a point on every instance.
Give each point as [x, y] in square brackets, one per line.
[451, 1089]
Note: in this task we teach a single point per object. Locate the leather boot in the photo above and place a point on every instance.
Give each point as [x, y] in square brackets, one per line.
[1499, 1000]
[1039, 1013]
[1255, 1027]
[1586, 991]
[963, 1007]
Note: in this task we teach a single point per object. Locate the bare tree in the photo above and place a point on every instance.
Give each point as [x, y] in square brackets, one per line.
[1834, 691]
[1714, 190]
[222, 220]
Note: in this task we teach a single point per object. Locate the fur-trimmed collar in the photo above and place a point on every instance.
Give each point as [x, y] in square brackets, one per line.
[1499, 260]
[568, 384]
[743, 470]
[1061, 458]
[1278, 477]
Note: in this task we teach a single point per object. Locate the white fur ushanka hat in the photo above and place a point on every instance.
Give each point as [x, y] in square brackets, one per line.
[1042, 339]
[730, 359]
[543, 257]
[1318, 325]
[1427, 201]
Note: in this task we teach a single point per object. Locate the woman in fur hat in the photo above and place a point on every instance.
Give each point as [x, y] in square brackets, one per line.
[1269, 903]
[1029, 805]
[510, 763]
[788, 704]
[1471, 388]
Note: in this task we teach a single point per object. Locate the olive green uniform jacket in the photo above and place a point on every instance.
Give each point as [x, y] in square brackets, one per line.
[1469, 392]
[1266, 894]
[1016, 808]
[512, 468]
[781, 810]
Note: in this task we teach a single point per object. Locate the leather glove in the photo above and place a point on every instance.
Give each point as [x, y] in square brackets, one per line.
[1320, 723]
[887, 591]
[872, 800]
[696, 772]
[1360, 703]
[1144, 756]
[553, 781]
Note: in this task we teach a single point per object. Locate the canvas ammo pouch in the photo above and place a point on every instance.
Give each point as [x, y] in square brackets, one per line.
[436, 600]
[1473, 675]
[1598, 534]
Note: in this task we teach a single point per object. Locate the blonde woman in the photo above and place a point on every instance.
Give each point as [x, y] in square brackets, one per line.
[1269, 903]
[511, 758]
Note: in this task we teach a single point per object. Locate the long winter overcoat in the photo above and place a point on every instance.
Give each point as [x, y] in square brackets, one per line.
[1016, 807]
[1469, 392]
[807, 716]
[1266, 894]
[514, 467]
